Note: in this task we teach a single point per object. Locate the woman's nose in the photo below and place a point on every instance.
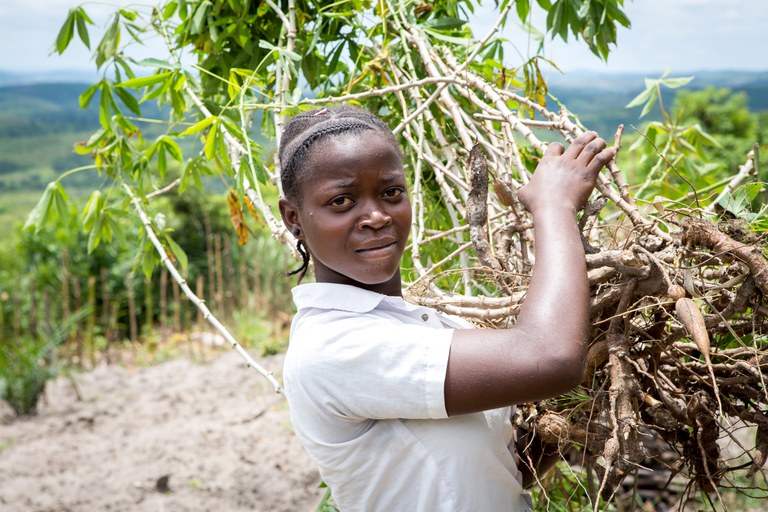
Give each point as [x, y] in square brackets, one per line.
[376, 219]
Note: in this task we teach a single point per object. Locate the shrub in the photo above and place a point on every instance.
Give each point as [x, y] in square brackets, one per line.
[26, 364]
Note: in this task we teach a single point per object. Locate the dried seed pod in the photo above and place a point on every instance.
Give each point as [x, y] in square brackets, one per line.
[650, 401]
[676, 292]
[690, 316]
[597, 355]
[503, 192]
[236, 216]
[760, 453]
[477, 208]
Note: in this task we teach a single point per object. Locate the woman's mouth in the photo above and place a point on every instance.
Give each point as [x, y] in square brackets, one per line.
[378, 247]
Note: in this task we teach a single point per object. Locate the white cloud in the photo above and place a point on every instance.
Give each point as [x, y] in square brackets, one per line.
[30, 28]
[683, 35]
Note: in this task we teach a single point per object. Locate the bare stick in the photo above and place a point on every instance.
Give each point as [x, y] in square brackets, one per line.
[199, 303]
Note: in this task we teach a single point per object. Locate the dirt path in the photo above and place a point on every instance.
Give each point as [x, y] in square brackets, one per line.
[179, 436]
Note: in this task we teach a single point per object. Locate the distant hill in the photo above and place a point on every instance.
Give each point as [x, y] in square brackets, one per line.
[599, 99]
[40, 120]
[611, 81]
[10, 78]
[36, 109]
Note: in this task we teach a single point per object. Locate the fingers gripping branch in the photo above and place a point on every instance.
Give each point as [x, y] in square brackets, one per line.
[565, 178]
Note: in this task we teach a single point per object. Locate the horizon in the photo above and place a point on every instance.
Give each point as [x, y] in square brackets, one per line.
[86, 76]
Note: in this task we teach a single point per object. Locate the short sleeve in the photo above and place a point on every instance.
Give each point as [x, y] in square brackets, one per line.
[366, 367]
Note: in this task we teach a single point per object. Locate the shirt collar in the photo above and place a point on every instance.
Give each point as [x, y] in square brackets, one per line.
[342, 297]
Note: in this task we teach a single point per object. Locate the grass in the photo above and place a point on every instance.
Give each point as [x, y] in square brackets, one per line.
[42, 151]
[26, 365]
[27, 165]
[5, 445]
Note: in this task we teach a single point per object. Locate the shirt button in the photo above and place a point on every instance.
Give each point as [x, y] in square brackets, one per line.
[425, 317]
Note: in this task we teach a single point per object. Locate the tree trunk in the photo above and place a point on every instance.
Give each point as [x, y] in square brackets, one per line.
[91, 326]
[132, 323]
[163, 320]
[149, 306]
[177, 308]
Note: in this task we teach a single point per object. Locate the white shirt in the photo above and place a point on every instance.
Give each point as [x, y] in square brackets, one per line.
[364, 376]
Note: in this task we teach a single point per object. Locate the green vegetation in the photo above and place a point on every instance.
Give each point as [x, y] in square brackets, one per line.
[25, 367]
[91, 265]
[61, 304]
[39, 125]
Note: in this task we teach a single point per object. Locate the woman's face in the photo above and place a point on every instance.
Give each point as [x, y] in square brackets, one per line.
[355, 214]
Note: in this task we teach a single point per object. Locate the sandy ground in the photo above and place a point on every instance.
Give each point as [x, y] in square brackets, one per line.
[178, 436]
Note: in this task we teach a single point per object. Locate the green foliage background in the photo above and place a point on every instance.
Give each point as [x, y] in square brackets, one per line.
[149, 124]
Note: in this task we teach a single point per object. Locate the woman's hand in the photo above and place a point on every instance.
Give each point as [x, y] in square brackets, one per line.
[543, 354]
[565, 178]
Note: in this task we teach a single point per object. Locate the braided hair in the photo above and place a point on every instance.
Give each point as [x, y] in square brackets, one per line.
[305, 129]
[301, 133]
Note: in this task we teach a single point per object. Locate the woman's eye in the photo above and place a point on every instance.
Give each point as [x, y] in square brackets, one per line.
[393, 192]
[341, 201]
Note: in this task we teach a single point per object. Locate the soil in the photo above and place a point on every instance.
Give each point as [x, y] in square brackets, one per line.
[190, 434]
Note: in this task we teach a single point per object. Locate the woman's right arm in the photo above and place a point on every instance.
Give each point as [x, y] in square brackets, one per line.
[543, 354]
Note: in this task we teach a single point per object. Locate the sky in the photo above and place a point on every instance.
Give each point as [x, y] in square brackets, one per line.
[679, 35]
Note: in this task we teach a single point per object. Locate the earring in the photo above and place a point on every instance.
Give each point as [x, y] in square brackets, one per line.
[296, 231]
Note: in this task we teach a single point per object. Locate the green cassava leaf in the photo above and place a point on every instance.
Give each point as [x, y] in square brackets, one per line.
[191, 173]
[144, 81]
[92, 210]
[66, 32]
[201, 14]
[282, 51]
[675, 83]
[178, 254]
[640, 98]
[128, 100]
[209, 149]
[41, 214]
[162, 163]
[649, 105]
[82, 20]
[198, 127]
[523, 9]
[445, 23]
[148, 259]
[61, 200]
[156, 63]
[94, 235]
[128, 14]
[173, 148]
[169, 9]
[109, 42]
[87, 95]
[738, 201]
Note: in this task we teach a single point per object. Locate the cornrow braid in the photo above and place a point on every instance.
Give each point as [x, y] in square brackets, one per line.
[304, 130]
[301, 153]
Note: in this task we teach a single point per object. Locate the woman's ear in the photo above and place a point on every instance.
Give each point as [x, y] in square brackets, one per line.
[290, 214]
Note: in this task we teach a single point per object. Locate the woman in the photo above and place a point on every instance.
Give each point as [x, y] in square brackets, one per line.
[404, 408]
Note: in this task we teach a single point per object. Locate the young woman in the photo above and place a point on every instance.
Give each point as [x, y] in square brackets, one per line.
[401, 407]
